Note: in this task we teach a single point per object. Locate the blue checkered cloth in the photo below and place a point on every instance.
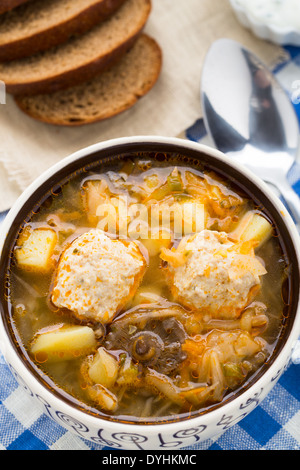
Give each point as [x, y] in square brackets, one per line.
[273, 425]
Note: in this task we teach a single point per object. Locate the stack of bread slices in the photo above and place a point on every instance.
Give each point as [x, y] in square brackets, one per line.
[74, 62]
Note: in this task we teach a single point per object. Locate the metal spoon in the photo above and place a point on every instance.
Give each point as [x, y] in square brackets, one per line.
[249, 116]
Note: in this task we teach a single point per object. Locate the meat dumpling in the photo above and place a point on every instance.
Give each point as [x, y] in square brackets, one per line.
[97, 275]
[210, 273]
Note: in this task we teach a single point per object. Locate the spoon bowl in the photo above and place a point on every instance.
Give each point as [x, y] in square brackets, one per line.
[250, 117]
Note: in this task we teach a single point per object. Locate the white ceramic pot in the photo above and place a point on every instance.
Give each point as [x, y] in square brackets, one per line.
[169, 435]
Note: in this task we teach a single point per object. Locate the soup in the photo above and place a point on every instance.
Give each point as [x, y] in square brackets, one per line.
[149, 290]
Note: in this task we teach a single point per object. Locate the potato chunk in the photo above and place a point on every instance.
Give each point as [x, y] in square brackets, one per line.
[157, 240]
[258, 229]
[104, 368]
[63, 342]
[252, 227]
[94, 193]
[36, 250]
[194, 217]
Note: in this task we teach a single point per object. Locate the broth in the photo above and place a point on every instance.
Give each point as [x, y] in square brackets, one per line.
[184, 315]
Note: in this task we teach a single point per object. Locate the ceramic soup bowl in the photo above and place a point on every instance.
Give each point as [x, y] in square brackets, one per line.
[167, 433]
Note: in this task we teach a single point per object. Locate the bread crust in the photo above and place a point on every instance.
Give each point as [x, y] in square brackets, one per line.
[6, 5]
[72, 77]
[61, 32]
[78, 73]
[130, 102]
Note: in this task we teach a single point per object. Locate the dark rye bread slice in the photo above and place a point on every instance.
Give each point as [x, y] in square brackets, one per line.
[106, 95]
[40, 25]
[6, 5]
[80, 58]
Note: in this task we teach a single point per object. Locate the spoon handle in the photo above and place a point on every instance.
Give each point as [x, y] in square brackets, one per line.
[291, 198]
